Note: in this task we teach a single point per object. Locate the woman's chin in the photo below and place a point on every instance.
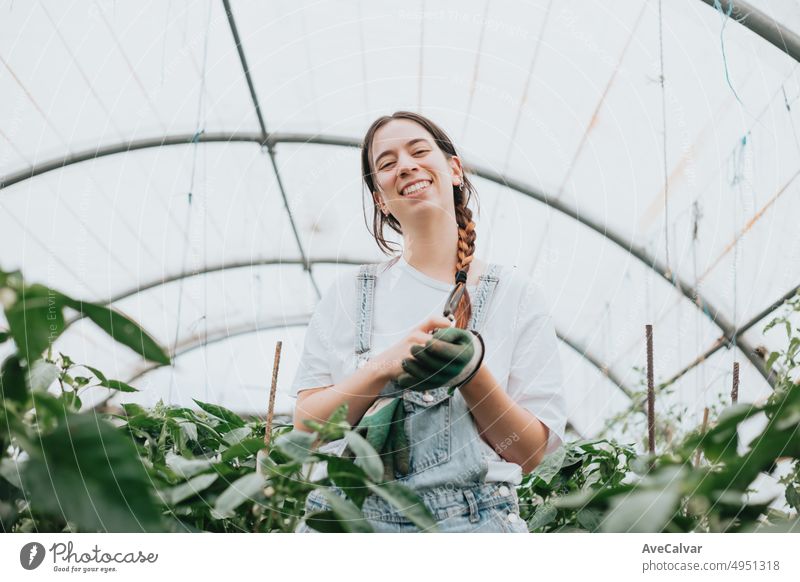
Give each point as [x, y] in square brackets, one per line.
[431, 209]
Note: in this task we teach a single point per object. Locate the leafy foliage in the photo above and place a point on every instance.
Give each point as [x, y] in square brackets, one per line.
[603, 486]
[171, 468]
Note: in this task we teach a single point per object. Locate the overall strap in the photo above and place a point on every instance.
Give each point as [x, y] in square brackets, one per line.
[364, 300]
[366, 296]
[483, 296]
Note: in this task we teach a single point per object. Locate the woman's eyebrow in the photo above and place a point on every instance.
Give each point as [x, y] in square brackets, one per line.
[408, 144]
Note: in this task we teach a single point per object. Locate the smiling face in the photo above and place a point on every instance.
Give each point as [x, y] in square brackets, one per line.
[411, 174]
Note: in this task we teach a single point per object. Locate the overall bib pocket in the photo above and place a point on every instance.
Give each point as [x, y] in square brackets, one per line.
[428, 426]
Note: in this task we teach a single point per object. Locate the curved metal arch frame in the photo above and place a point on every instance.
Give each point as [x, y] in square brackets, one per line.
[729, 332]
[760, 23]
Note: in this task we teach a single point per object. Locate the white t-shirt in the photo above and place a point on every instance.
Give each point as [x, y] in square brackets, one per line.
[521, 345]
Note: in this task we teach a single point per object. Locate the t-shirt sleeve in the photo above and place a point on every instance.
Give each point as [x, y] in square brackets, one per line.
[535, 378]
[314, 368]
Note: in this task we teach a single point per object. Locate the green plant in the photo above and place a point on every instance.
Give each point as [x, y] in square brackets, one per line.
[61, 469]
[671, 494]
[591, 465]
[164, 469]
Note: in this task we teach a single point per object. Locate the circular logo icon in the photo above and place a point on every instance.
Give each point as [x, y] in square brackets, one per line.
[31, 555]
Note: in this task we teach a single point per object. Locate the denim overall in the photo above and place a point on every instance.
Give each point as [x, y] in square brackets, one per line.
[448, 459]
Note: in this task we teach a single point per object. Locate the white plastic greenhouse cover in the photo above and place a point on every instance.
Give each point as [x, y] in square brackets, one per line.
[557, 107]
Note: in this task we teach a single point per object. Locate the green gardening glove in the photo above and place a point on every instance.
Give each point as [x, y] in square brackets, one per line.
[383, 425]
[450, 358]
[397, 446]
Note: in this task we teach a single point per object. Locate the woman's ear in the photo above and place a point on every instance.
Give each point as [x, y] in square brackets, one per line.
[457, 171]
[380, 204]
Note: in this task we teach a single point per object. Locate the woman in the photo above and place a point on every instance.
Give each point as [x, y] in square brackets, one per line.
[473, 403]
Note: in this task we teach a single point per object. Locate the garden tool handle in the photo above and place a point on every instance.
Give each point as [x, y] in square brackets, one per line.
[454, 298]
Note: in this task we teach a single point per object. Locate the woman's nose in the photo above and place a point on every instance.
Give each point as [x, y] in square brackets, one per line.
[405, 164]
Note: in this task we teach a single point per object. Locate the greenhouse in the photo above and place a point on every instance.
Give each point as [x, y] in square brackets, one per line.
[181, 184]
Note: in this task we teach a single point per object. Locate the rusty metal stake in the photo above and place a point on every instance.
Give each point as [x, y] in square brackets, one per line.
[651, 393]
[735, 389]
[273, 389]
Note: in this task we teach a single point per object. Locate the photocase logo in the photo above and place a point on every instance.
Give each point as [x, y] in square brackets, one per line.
[31, 555]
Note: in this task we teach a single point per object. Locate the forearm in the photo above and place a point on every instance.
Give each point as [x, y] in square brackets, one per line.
[358, 391]
[516, 434]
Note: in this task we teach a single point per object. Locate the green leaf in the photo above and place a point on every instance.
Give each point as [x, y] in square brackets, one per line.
[11, 470]
[771, 361]
[100, 376]
[544, 515]
[222, 413]
[349, 478]
[42, 375]
[324, 522]
[243, 489]
[35, 320]
[139, 417]
[187, 468]
[640, 464]
[590, 497]
[334, 428]
[366, 457]
[793, 496]
[188, 428]
[550, 465]
[647, 509]
[118, 385]
[589, 518]
[243, 448]
[12, 380]
[174, 495]
[348, 515]
[237, 435]
[89, 473]
[4, 336]
[339, 415]
[123, 329]
[406, 502]
[11, 425]
[721, 441]
[11, 499]
[297, 445]
[71, 400]
[794, 345]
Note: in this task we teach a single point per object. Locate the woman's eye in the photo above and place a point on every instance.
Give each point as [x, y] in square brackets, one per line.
[388, 165]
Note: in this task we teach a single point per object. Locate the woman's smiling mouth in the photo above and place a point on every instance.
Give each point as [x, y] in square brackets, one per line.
[415, 189]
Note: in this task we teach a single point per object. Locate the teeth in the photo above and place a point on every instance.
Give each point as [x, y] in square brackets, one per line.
[414, 187]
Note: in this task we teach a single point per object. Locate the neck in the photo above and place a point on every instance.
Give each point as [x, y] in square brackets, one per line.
[431, 246]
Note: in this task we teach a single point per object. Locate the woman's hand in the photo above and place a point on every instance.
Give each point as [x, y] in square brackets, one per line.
[389, 362]
[449, 358]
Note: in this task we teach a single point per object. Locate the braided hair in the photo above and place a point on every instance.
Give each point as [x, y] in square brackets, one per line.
[465, 253]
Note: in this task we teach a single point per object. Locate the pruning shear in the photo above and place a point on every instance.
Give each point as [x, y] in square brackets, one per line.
[454, 298]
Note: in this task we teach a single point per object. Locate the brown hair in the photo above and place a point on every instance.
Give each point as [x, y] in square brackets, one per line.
[461, 198]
